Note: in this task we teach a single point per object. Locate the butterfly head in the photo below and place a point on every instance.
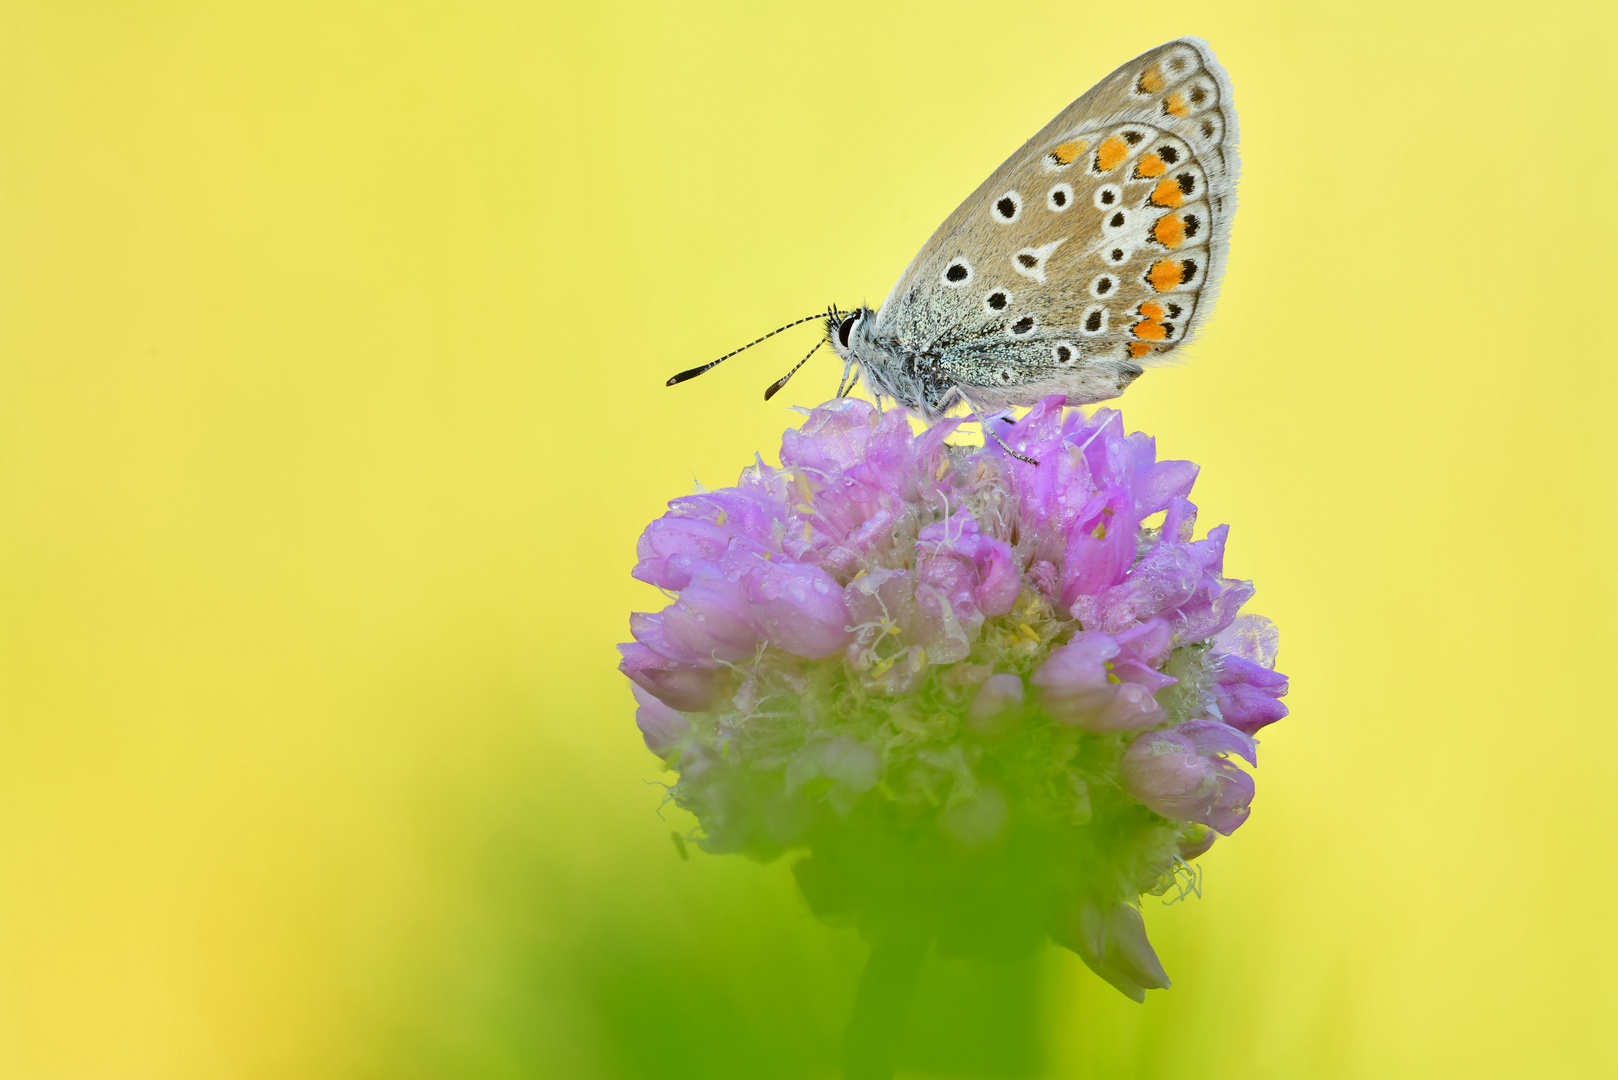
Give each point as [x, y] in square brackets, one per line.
[849, 333]
[846, 331]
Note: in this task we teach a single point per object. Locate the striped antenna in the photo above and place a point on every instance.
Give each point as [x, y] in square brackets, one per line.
[782, 381]
[692, 373]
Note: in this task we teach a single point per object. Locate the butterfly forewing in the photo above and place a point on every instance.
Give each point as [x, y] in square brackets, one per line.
[1092, 249]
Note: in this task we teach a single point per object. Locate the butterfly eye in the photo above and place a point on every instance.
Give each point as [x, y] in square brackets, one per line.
[846, 328]
[1008, 207]
[1065, 353]
[957, 273]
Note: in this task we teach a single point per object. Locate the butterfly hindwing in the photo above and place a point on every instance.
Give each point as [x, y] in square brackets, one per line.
[1092, 249]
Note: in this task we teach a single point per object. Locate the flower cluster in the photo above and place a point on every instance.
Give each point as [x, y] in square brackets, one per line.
[991, 699]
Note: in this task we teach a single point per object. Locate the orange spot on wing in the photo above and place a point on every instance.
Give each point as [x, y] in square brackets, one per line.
[1175, 105]
[1167, 193]
[1151, 165]
[1110, 153]
[1151, 80]
[1138, 349]
[1066, 153]
[1152, 310]
[1169, 230]
[1165, 274]
[1149, 330]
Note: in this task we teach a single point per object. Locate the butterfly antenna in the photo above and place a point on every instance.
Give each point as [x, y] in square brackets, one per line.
[782, 381]
[692, 373]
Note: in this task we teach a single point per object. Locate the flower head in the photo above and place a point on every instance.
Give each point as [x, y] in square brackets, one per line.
[990, 699]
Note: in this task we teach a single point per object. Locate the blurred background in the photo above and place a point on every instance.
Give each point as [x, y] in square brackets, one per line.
[332, 347]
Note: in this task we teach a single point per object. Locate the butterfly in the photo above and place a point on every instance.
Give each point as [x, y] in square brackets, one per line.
[1093, 250]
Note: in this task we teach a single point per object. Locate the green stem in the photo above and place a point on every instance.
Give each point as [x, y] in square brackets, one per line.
[871, 1042]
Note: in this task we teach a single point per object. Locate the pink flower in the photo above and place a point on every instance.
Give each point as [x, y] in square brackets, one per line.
[1183, 773]
[900, 654]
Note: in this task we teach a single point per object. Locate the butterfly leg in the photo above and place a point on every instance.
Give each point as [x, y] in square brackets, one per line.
[846, 385]
[989, 430]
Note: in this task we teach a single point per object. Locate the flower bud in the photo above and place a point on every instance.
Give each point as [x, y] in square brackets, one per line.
[686, 687]
[1073, 681]
[1113, 944]
[659, 725]
[710, 622]
[799, 607]
[1132, 707]
[1248, 694]
[1182, 774]
[1078, 685]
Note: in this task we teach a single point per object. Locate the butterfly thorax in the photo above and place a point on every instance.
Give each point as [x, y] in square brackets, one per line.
[914, 377]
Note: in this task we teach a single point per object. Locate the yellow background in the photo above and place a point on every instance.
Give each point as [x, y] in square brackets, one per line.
[332, 340]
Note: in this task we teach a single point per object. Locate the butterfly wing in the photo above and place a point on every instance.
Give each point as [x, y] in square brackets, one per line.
[1095, 247]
